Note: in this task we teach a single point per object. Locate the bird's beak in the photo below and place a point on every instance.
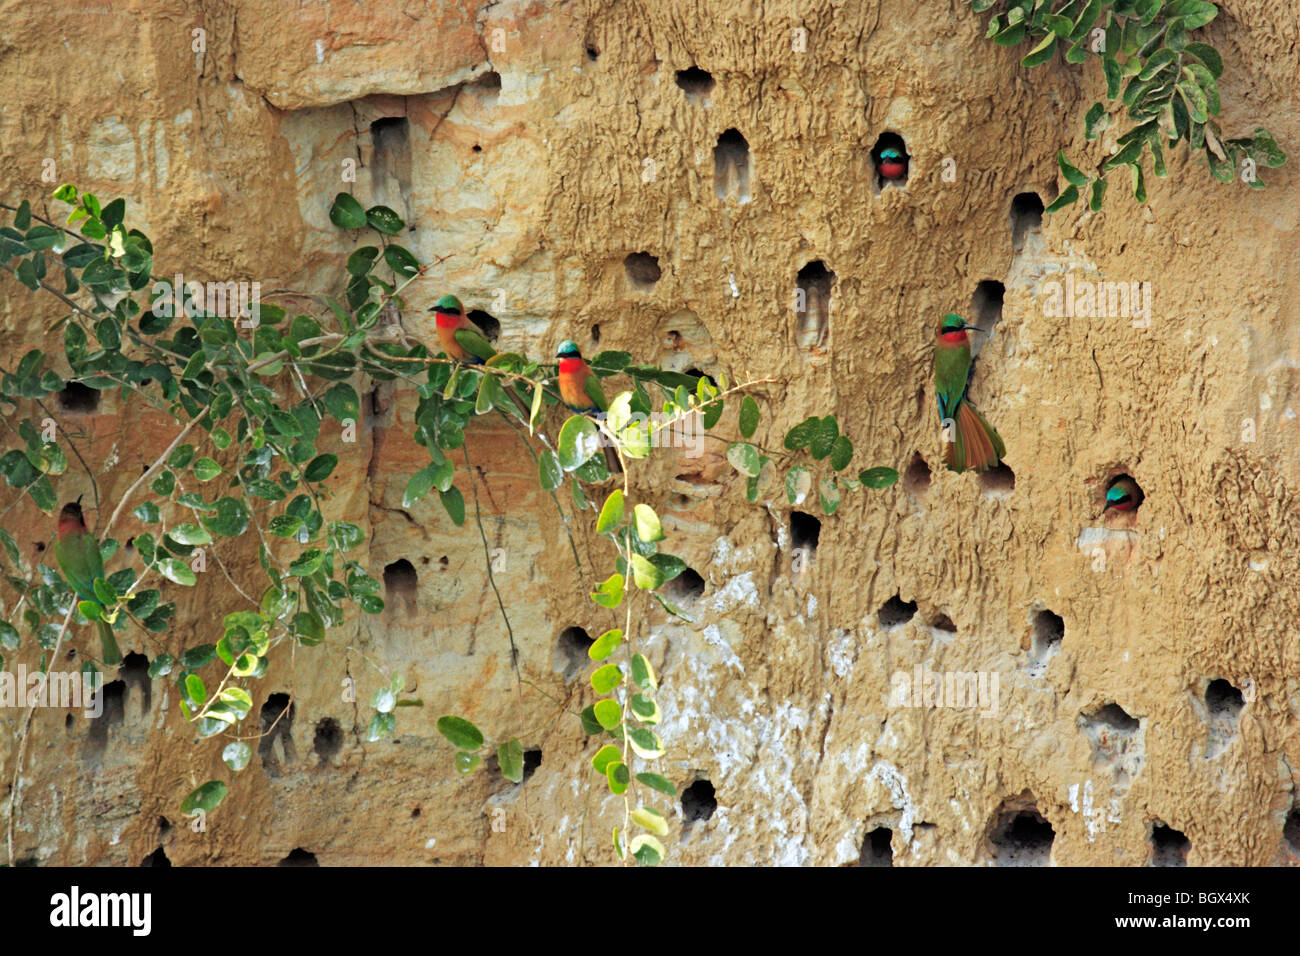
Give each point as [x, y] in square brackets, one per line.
[79, 497]
[974, 328]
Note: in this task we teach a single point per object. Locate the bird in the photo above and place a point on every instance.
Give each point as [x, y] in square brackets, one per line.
[973, 443]
[892, 163]
[1123, 495]
[581, 391]
[79, 558]
[460, 338]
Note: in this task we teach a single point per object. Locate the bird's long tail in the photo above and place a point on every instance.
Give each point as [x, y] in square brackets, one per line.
[109, 643]
[975, 444]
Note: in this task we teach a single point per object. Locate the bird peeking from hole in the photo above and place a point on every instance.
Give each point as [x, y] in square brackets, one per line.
[970, 442]
[891, 163]
[1123, 495]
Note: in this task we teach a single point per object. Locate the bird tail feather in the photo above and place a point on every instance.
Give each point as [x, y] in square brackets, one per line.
[975, 444]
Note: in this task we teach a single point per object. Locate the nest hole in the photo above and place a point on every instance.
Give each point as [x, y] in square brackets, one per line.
[642, 269]
[78, 399]
[1169, 847]
[695, 83]
[731, 167]
[999, 480]
[328, 739]
[487, 323]
[812, 303]
[917, 477]
[699, 800]
[896, 612]
[1026, 217]
[877, 848]
[299, 857]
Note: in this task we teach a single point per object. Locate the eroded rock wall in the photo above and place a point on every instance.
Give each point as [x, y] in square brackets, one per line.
[532, 147]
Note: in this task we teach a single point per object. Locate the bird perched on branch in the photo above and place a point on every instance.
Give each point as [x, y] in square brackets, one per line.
[460, 338]
[581, 391]
[79, 558]
[970, 441]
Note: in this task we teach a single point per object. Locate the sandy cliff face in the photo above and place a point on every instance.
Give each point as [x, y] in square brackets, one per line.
[1147, 671]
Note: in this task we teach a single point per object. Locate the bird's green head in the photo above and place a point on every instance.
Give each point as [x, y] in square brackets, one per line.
[891, 154]
[952, 322]
[568, 349]
[449, 304]
[1116, 494]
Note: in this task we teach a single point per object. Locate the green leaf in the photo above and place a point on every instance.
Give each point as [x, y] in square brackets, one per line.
[362, 260]
[454, 504]
[190, 534]
[1095, 194]
[579, 440]
[460, 733]
[194, 690]
[400, 260]
[1203, 52]
[201, 655]
[466, 762]
[647, 850]
[648, 526]
[1139, 184]
[656, 782]
[320, 467]
[342, 402]
[841, 453]
[590, 725]
[1041, 53]
[549, 472]
[609, 593]
[823, 440]
[205, 469]
[205, 798]
[744, 458]
[385, 220]
[237, 755]
[177, 572]
[346, 212]
[830, 496]
[878, 477]
[618, 777]
[801, 436]
[643, 675]
[419, 485]
[605, 645]
[644, 708]
[798, 482]
[381, 725]
[1197, 103]
[611, 513]
[605, 679]
[605, 756]
[1070, 195]
[651, 820]
[646, 575]
[748, 417]
[607, 713]
[9, 637]
[1070, 172]
[510, 757]
[160, 666]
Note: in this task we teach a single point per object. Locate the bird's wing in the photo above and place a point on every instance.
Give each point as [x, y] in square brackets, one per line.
[596, 393]
[473, 342]
[81, 562]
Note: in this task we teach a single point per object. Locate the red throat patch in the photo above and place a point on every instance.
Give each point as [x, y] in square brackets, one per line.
[570, 366]
[958, 337]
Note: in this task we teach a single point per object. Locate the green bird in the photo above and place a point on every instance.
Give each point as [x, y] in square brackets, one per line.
[79, 558]
[973, 444]
[460, 338]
